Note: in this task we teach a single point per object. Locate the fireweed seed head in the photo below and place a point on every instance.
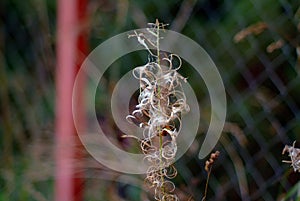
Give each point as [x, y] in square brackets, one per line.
[155, 81]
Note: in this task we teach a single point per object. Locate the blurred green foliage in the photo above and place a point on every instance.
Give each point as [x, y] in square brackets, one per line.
[262, 88]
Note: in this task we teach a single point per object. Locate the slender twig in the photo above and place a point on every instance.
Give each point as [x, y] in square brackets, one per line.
[208, 166]
[206, 184]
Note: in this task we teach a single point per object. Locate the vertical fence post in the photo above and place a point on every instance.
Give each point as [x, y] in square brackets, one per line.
[71, 46]
[82, 50]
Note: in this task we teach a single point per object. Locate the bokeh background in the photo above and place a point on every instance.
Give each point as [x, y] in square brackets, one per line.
[254, 44]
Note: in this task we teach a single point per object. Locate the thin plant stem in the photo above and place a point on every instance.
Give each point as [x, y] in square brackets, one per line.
[160, 136]
[208, 167]
[157, 43]
[206, 184]
[161, 168]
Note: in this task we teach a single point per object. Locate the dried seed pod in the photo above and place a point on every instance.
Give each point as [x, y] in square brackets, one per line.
[211, 160]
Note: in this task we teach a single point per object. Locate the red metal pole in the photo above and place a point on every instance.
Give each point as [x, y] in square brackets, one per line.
[71, 42]
[82, 51]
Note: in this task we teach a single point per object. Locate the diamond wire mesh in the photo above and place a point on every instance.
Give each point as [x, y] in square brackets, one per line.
[262, 88]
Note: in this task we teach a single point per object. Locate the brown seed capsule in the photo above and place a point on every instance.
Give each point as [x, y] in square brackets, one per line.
[211, 160]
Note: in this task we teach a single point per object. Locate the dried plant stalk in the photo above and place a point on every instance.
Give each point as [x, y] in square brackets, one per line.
[208, 166]
[255, 29]
[294, 154]
[161, 103]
